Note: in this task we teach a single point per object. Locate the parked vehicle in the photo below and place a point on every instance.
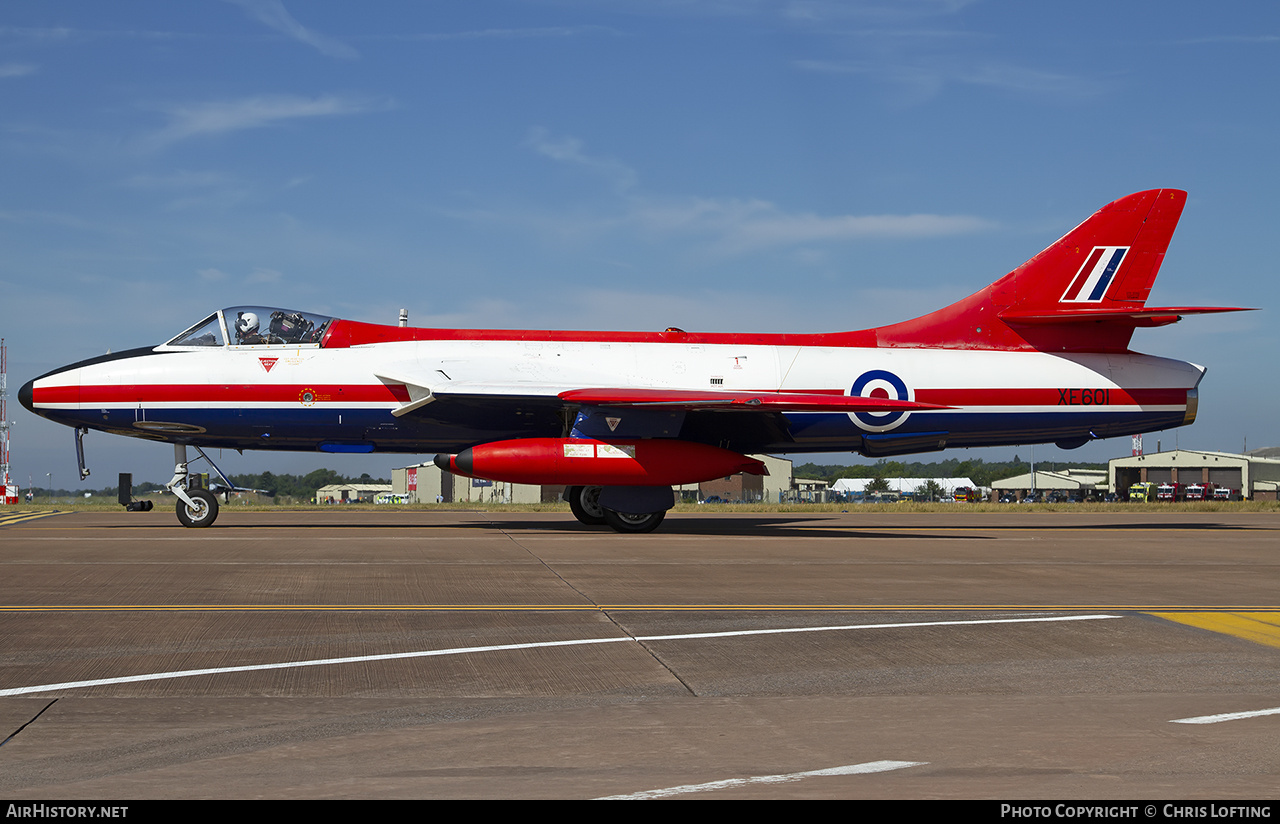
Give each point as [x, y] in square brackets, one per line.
[1144, 491]
[1198, 492]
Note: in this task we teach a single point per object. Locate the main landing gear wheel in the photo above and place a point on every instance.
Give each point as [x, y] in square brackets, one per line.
[584, 502]
[624, 522]
[203, 513]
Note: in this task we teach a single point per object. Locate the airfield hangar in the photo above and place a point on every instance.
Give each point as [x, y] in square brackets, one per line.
[1255, 477]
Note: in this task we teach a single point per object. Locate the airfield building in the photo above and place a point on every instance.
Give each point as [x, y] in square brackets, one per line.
[1252, 477]
[856, 488]
[1076, 483]
[350, 493]
[427, 483]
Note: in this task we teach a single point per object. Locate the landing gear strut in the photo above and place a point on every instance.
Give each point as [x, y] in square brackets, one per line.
[197, 507]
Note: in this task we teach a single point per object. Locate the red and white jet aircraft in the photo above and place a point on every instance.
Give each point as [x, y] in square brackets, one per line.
[1041, 355]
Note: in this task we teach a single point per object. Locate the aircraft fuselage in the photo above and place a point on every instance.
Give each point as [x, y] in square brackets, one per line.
[309, 397]
[1041, 355]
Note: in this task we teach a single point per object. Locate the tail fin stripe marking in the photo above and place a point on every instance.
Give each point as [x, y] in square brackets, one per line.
[1105, 280]
[1091, 282]
[1082, 275]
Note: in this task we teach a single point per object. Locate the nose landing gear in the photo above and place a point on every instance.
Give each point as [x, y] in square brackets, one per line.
[197, 507]
[201, 511]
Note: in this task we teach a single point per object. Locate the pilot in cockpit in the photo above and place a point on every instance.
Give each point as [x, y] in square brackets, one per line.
[247, 329]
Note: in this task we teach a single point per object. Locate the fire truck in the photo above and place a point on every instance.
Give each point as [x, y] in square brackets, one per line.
[1223, 493]
[1170, 492]
[1198, 492]
[1144, 491]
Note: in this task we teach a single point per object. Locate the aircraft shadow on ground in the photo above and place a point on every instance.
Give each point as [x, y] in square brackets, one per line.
[773, 526]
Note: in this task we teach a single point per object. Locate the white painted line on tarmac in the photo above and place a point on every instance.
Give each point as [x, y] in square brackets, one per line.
[1226, 716]
[393, 656]
[873, 626]
[319, 662]
[852, 769]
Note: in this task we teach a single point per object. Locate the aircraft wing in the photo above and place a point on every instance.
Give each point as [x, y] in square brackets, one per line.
[746, 401]
[419, 393]
[689, 399]
[233, 488]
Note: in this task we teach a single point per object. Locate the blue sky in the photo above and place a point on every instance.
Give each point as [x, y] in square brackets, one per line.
[714, 165]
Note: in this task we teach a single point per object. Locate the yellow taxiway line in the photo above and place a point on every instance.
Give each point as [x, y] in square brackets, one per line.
[1259, 627]
[20, 516]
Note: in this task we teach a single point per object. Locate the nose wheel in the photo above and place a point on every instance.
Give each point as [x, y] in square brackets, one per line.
[197, 507]
[201, 511]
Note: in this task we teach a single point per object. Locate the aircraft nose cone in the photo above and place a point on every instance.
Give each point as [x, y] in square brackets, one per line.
[26, 395]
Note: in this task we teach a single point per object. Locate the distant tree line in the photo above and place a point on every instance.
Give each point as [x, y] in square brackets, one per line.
[289, 486]
[42, 492]
[300, 486]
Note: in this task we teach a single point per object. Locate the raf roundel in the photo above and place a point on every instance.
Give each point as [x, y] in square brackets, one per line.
[880, 383]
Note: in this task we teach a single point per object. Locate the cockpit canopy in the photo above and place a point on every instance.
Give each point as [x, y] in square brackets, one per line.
[255, 326]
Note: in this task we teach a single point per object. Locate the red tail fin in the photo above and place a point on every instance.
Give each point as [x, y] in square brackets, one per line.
[1085, 293]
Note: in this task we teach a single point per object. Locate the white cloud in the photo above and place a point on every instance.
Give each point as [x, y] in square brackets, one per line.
[709, 307]
[272, 13]
[827, 11]
[738, 226]
[218, 117]
[569, 150]
[16, 69]
[1030, 81]
[730, 225]
[1231, 39]
[180, 180]
[33, 217]
[262, 274]
[193, 189]
[508, 34]
[922, 80]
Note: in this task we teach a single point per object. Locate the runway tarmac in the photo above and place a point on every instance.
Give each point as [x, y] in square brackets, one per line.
[427, 654]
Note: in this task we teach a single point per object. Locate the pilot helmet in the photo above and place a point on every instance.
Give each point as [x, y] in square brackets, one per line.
[246, 323]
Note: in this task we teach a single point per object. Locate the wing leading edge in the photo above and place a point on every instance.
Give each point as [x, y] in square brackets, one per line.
[688, 399]
[744, 400]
